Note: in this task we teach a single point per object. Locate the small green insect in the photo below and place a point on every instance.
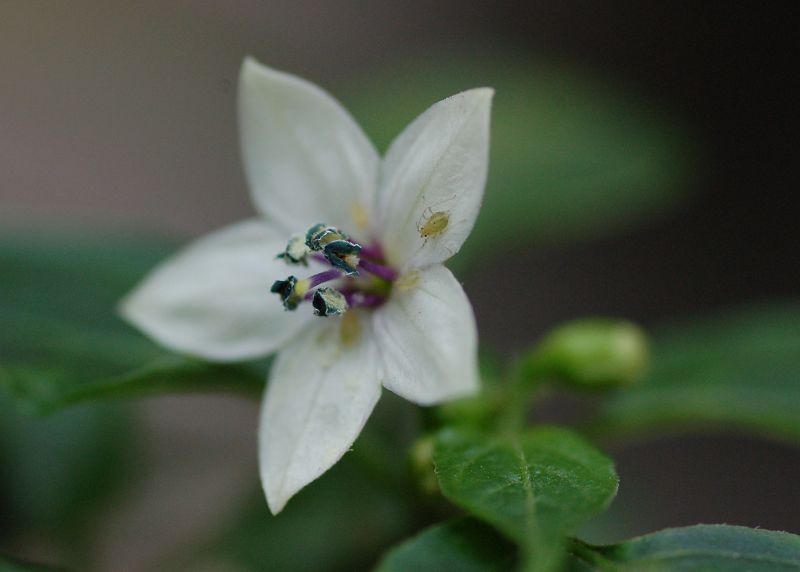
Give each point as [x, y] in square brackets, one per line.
[433, 224]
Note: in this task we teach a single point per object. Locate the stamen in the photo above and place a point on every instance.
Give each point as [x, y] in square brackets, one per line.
[379, 270]
[329, 302]
[321, 234]
[340, 252]
[343, 254]
[326, 244]
[296, 251]
[291, 291]
[311, 235]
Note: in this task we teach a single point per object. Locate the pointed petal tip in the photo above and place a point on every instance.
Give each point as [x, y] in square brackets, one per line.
[276, 499]
[122, 308]
[480, 95]
[253, 72]
[252, 69]
[211, 298]
[482, 92]
[314, 408]
[129, 308]
[469, 101]
[250, 66]
[439, 163]
[276, 503]
[300, 147]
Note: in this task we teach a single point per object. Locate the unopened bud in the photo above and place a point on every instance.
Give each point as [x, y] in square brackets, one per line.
[420, 460]
[591, 353]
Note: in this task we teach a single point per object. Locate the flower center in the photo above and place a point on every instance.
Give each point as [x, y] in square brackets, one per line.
[357, 277]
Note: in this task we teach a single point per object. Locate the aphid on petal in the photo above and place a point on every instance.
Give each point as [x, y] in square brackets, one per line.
[434, 224]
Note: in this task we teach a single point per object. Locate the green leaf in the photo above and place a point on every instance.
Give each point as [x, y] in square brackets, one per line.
[466, 545]
[57, 473]
[340, 522]
[61, 341]
[740, 368]
[570, 156]
[701, 548]
[8, 564]
[536, 487]
[38, 387]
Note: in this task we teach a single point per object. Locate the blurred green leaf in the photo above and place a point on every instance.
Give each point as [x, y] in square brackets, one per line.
[466, 545]
[341, 522]
[570, 156]
[13, 565]
[57, 332]
[701, 548]
[536, 487]
[61, 341]
[42, 387]
[740, 368]
[344, 520]
[55, 473]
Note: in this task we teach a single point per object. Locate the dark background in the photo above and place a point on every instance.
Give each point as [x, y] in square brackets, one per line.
[726, 70]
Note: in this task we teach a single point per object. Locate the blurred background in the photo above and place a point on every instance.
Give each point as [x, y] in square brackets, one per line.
[643, 166]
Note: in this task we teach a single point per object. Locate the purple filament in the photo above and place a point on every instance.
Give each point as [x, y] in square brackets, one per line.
[372, 252]
[322, 277]
[385, 272]
[356, 299]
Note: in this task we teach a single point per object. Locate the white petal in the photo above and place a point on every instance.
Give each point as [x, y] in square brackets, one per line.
[438, 164]
[306, 159]
[213, 298]
[427, 338]
[321, 392]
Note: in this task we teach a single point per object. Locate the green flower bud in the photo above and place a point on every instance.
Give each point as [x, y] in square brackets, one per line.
[591, 353]
[420, 461]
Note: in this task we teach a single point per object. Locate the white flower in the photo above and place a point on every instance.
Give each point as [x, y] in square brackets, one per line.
[407, 326]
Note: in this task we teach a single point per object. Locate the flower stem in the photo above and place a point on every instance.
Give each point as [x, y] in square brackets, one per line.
[521, 389]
